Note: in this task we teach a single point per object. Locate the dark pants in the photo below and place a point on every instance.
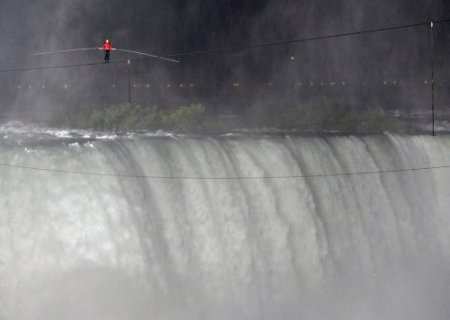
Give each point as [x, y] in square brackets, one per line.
[107, 56]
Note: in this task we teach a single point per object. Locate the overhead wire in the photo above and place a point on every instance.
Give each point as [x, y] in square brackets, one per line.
[218, 179]
[148, 55]
[299, 40]
[42, 53]
[244, 48]
[309, 39]
[224, 51]
[64, 66]
[145, 54]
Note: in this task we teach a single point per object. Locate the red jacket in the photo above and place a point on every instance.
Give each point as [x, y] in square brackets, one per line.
[107, 46]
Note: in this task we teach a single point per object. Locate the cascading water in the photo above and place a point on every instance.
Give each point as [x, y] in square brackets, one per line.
[122, 228]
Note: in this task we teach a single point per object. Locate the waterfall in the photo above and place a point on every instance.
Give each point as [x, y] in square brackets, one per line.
[225, 228]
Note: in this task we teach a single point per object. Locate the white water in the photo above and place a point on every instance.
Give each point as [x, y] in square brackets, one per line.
[76, 246]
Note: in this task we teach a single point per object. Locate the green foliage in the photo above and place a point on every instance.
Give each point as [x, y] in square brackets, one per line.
[184, 118]
[319, 115]
[323, 114]
[136, 117]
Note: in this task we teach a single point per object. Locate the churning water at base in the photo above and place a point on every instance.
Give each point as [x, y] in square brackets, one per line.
[124, 245]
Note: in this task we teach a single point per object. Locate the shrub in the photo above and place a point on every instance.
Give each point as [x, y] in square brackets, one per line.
[317, 115]
[137, 117]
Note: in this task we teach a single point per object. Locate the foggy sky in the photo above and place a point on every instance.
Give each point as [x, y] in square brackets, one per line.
[167, 27]
[171, 26]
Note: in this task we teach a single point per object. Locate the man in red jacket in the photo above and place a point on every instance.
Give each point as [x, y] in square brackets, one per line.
[107, 47]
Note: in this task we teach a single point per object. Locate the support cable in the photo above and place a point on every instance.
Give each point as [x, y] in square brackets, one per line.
[212, 179]
[232, 50]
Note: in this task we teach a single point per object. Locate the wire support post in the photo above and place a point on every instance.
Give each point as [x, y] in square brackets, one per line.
[130, 97]
[432, 67]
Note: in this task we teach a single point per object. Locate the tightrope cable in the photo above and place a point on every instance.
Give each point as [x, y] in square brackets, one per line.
[300, 40]
[235, 50]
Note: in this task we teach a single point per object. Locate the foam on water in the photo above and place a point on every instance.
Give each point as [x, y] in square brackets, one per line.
[366, 246]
